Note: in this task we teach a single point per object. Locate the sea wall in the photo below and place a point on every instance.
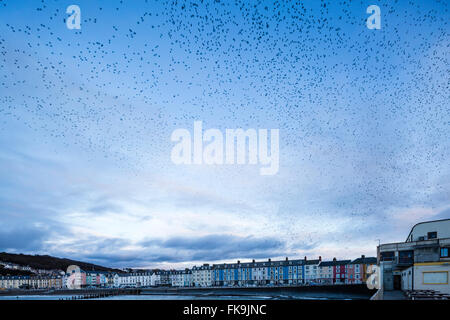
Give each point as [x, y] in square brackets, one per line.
[356, 291]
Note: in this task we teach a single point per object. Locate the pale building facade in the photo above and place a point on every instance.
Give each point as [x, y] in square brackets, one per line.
[421, 262]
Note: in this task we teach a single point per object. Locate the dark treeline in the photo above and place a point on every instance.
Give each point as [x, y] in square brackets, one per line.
[46, 262]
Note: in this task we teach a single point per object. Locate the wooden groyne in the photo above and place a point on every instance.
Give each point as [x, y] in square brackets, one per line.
[100, 294]
[75, 294]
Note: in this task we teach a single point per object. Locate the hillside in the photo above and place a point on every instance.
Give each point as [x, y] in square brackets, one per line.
[48, 262]
[10, 272]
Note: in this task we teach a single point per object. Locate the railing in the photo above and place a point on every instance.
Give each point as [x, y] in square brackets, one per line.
[408, 260]
[403, 245]
[393, 258]
[398, 260]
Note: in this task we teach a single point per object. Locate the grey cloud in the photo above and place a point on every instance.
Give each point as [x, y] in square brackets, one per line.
[221, 241]
[105, 207]
[210, 248]
[213, 247]
[302, 245]
[95, 244]
[22, 239]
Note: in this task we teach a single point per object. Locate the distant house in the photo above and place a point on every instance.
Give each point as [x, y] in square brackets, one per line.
[202, 276]
[160, 278]
[357, 270]
[312, 271]
[31, 282]
[332, 272]
[325, 272]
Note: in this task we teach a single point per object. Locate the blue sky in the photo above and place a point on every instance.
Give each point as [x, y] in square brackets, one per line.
[86, 117]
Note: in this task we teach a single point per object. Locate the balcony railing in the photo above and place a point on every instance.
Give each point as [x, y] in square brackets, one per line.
[399, 260]
[405, 260]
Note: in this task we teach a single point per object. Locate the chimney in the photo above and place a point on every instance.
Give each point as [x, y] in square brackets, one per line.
[286, 258]
[363, 256]
[270, 260]
[320, 258]
[238, 262]
[253, 260]
[334, 259]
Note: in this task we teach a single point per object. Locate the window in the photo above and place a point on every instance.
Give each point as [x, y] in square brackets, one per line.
[432, 235]
[406, 256]
[444, 252]
[387, 255]
[435, 277]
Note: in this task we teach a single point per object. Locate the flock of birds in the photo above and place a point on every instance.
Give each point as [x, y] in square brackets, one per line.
[134, 72]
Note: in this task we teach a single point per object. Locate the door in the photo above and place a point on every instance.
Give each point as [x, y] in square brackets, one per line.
[397, 282]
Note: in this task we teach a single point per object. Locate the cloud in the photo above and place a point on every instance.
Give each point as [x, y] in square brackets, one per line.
[210, 248]
[186, 196]
[218, 241]
[305, 246]
[22, 239]
[105, 207]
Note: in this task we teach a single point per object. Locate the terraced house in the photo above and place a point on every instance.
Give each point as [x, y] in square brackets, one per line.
[312, 271]
[94, 279]
[133, 279]
[254, 273]
[325, 272]
[231, 274]
[358, 269]
[340, 271]
[160, 278]
[202, 276]
[259, 273]
[31, 282]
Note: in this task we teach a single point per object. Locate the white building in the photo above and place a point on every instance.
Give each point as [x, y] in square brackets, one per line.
[430, 230]
[160, 278]
[176, 278]
[117, 280]
[132, 280]
[421, 262]
[259, 273]
[187, 278]
[312, 271]
[202, 276]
